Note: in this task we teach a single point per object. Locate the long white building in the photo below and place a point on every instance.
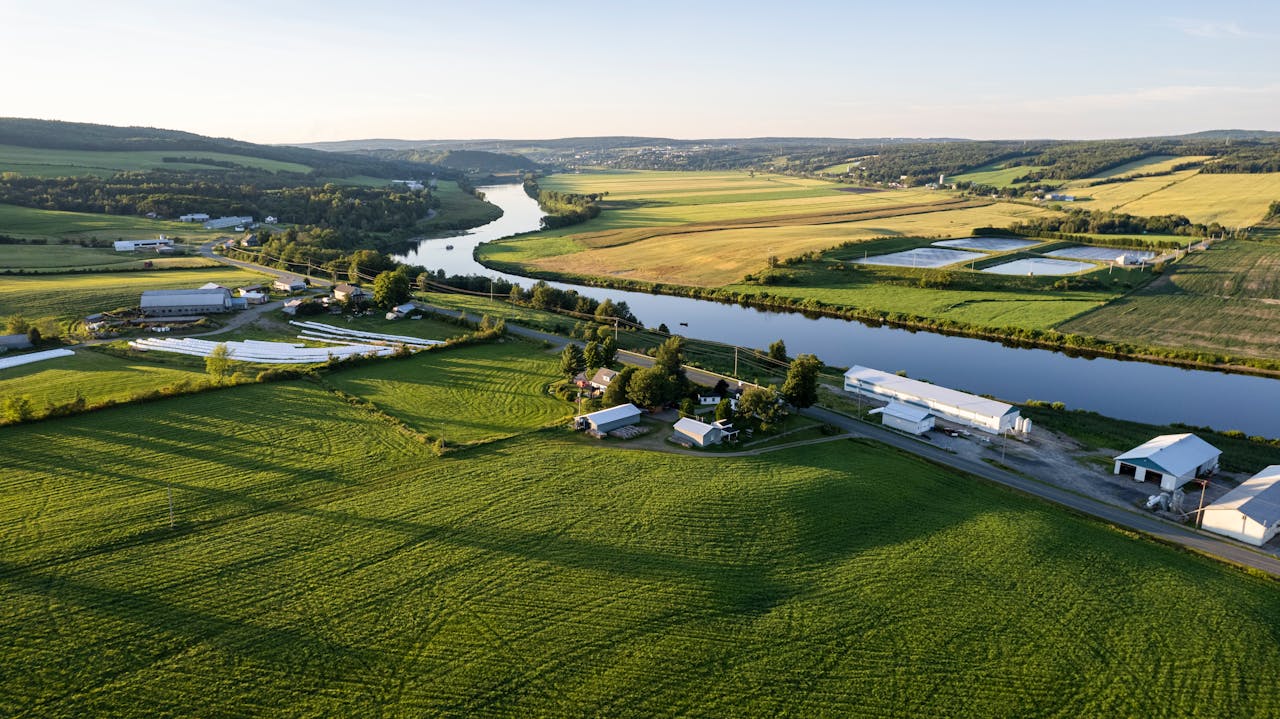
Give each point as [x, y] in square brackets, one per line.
[1250, 512]
[988, 415]
[131, 245]
[160, 303]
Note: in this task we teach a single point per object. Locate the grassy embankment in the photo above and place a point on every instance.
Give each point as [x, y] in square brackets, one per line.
[323, 562]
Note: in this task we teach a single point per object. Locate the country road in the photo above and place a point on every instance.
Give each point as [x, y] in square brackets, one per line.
[1194, 540]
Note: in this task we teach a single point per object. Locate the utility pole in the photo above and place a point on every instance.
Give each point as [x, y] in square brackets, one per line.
[1204, 483]
[735, 360]
[615, 331]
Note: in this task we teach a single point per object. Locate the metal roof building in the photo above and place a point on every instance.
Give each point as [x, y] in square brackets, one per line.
[700, 433]
[607, 420]
[159, 303]
[1250, 512]
[905, 417]
[971, 410]
[1170, 459]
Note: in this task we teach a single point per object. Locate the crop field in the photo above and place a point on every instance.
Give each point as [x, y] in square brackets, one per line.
[1231, 200]
[29, 222]
[323, 564]
[1225, 300]
[1116, 195]
[468, 394]
[1155, 163]
[60, 258]
[46, 162]
[95, 375]
[997, 175]
[73, 296]
[718, 253]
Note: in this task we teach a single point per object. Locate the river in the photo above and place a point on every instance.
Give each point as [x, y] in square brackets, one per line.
[1130, 390]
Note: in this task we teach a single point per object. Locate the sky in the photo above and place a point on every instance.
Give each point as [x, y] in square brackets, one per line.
[285, 71]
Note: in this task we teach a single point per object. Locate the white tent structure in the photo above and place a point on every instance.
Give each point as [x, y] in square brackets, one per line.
[1170, 459]
[988, 415]
[1250, 512]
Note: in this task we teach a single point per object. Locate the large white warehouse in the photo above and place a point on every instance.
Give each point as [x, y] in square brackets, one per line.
[1250, 512]
[988, 415]
[1170, 459]
[158, 303]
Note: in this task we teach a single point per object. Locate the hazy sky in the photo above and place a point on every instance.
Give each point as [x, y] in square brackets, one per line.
[300, 71]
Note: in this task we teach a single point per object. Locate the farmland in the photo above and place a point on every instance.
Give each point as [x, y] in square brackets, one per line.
[63, 257]
[323, 563]
[30, 222]
[711, 229]
[73, 296]
[46, 162]
[1155, 163]
[1223, 300]
[1231, 200]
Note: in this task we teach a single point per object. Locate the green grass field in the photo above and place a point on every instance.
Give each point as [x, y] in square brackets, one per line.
[61, 258]
[324, 564]
[465, 395]
[74, 296]
[29, 222]
[46, 162]
[97, 376]
[1155, 163]
[1220, 301]
[458, 209]
[996, 175]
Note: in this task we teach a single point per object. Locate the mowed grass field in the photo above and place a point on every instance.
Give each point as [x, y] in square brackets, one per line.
[73, 296]
[323, 564]
[59, 258]
[711, 229]
[96, 376]
[1226, 300]
[30, 222]
[465, 395]
[46, 162]
[1231, 200]
[1155, 163]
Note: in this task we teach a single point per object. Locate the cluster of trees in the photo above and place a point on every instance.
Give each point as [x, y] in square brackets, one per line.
[563, 208]
[1078, 221]
[350, 211]
[1263, 157]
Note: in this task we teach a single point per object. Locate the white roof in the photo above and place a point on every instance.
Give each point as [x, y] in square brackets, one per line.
[693, 427]
[185, 298]
[909, 412]
[1176, 454]
[929, 392]
[406, 307]
[212, 286]
[612, 414]
[1258, 498]
[603, 376]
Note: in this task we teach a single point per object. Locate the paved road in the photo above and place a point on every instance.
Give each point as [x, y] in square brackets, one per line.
[1131, 519]
[206, 250]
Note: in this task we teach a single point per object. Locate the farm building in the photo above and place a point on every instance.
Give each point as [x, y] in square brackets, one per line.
[348, 293]
[601, 379]
[400, 311]
[131, 245]
[905, 417]
[289, 284]
[702, 434]
[1250, 512]
[1170, 459]
[14, 342]
[607, 420]
[988, 415]
[213, 286]
[194, 217]
[160, 303]
[291, 307]
[224, 222]
[253, 297]
[271, 220]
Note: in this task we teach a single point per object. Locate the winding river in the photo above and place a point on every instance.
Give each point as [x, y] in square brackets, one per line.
[1130, 390]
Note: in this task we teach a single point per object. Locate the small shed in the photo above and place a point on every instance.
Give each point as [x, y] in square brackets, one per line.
[1250, 512]
[699, 433]
[607, 420]
[905, 417]
[1170, 459]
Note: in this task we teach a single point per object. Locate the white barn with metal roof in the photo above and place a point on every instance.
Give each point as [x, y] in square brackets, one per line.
[1250, 512]
[1170, 459]
[988, 415]
[607, 420]
[698, 432]
[159, 303]
[905, 417]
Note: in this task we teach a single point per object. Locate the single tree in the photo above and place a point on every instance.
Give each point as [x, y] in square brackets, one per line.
[16, 324]
[19, 408]
[763, 404]
[593, 356]
[608, 351]
[801, 385]
[670, 356]
[649, 387]
[391, 288]
[33, 335]
[778, 351]
[617, 393]
[724, 410]
[571, 361]
[688, 408]
[217, 364]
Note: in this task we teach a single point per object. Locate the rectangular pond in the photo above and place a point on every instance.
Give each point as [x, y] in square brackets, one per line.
[921, 257]
[1105, 254]
[988, 244]
[1039, 267]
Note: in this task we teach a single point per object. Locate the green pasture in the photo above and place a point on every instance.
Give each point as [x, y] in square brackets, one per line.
[96, 376]
[73, 257]
[46, 162]
[322, 563]
[30, 222]
[76, 295]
